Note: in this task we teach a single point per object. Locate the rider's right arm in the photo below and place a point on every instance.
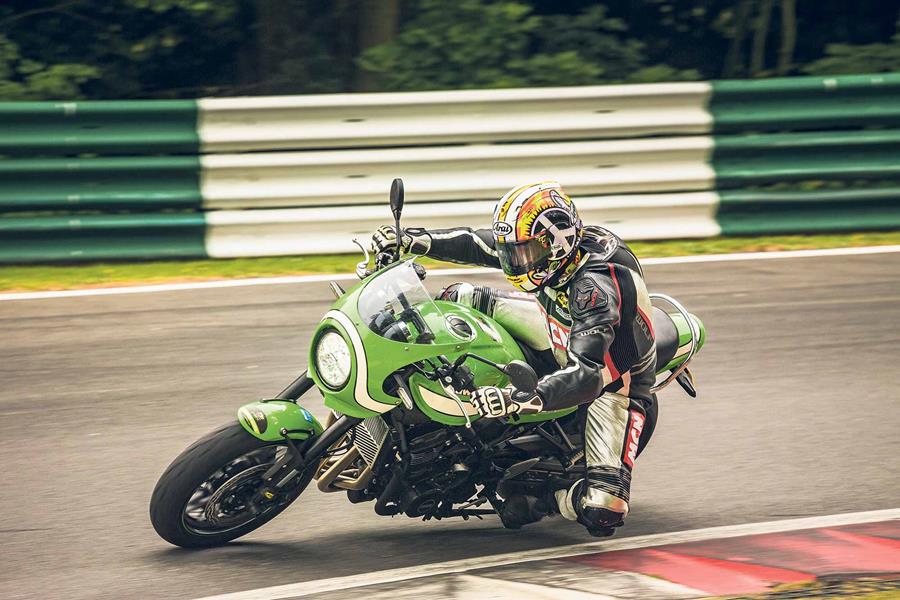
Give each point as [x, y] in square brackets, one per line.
[463, 245]
[594, 302]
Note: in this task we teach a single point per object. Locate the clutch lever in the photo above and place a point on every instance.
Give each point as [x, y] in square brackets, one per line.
[362, 268]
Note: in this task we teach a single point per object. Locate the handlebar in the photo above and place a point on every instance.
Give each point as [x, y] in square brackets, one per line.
[382, 260]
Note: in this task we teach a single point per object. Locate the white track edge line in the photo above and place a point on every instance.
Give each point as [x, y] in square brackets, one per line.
[302, 589]
[295, 279]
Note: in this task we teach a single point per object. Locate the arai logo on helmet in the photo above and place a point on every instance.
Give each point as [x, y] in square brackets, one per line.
[502, 228]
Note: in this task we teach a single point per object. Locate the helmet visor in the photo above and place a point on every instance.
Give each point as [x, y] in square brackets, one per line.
[518, 258]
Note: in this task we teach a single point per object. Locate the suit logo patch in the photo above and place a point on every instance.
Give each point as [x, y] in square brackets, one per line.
[589, 332]
[633, 438]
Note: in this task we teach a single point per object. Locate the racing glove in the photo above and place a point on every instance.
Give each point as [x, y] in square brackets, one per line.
[494, 402]
[413, 239]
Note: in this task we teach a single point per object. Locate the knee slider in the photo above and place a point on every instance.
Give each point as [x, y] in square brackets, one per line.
[599, 519]
[600, 522]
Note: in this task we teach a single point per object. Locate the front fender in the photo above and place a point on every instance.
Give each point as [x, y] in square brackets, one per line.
[266, 418]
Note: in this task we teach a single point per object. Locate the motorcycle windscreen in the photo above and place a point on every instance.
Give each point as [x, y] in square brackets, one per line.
[395, 305]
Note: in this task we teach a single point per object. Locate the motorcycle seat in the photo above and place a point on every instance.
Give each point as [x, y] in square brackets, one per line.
[666, 337]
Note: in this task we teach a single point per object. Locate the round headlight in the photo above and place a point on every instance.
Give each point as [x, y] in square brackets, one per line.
[333, 359]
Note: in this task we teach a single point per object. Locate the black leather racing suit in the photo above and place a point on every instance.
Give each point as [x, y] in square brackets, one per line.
[597, 319]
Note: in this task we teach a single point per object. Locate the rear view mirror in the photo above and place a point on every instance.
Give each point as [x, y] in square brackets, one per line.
[397, 198]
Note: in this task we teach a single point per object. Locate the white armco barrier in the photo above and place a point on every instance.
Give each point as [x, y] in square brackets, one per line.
[451, 173]
[233, 233]
[427, 118]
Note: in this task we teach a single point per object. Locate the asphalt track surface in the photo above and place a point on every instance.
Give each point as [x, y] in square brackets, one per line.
[797, 416]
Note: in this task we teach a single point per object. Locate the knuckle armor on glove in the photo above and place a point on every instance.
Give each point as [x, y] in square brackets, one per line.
[492, 402]
[384, 239]
[414, 239]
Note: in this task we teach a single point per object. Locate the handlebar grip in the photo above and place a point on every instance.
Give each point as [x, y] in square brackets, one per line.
[383, 260]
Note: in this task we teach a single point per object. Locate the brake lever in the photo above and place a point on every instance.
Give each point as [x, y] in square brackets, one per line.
[448, 388]
[362, 268]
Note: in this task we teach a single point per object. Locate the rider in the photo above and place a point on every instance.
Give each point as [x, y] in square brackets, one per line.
[586, 302]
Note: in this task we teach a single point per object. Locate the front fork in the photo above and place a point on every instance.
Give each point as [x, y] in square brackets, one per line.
[297, 388]
[299, 457]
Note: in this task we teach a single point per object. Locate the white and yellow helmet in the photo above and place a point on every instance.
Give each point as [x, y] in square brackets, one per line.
[536, 231]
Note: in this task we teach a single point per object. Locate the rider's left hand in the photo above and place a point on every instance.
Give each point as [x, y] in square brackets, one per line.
[412, 239]
[493, 402]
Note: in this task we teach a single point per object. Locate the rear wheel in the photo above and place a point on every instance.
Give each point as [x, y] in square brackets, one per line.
[204, 498]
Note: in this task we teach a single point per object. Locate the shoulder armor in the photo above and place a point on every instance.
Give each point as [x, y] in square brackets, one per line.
[600, 242]
[589, 293]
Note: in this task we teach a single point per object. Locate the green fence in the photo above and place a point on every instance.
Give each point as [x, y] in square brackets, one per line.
[806, 103]
[130, 180]
[73, 128]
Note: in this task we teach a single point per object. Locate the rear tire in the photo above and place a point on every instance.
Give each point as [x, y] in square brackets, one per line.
[203, 468]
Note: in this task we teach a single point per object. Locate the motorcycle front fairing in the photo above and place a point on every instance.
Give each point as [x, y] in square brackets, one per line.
[390, 321]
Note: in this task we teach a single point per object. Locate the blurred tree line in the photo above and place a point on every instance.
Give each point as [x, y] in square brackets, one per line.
[65, 49]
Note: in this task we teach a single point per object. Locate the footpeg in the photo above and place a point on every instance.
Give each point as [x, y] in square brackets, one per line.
[519, 468]
[686, 380]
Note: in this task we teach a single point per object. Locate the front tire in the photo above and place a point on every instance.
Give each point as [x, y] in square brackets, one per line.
[201, 499]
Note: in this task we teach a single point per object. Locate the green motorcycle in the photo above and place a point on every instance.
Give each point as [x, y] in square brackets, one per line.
[394, 365]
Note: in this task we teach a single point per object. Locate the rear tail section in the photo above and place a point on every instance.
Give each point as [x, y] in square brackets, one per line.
[685, 340]
[679, 336]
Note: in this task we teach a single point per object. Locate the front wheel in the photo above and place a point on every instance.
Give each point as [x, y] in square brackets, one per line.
[204, 498]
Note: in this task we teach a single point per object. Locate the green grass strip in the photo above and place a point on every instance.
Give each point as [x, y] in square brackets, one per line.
[61, 277]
